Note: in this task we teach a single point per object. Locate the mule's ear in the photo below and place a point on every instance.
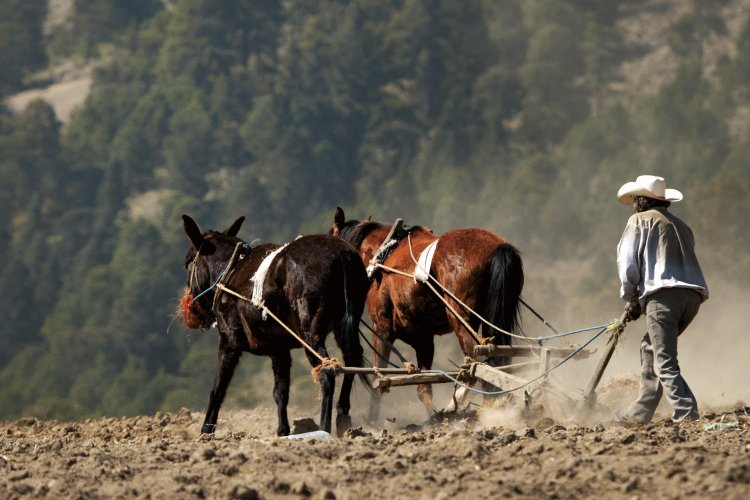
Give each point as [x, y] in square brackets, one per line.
[192, 230]
[235, 227]
[339, 218]
[338, 221]
[369, 218]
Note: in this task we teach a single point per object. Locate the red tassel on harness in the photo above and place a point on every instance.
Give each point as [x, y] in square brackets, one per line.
[189, 310]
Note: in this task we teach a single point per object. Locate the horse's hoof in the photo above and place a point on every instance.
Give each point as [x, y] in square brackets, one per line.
[208, 428]
[343, 424]
[282, 431]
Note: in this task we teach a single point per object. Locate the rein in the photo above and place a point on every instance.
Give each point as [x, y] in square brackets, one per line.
[324, 361]
[225, 273]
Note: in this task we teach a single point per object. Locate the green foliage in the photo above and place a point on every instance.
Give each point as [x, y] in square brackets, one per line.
[21, 41]
[20, 322]
[554, 100]
[31, 159]
[209, 37]
[93, 22]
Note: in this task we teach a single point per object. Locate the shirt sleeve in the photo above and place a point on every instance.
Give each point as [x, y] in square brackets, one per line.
[629, 261]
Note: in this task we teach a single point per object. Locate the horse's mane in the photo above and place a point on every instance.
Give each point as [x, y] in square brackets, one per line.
[355, 232]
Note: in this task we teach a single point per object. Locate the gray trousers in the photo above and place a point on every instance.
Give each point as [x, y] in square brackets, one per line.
[668, 312]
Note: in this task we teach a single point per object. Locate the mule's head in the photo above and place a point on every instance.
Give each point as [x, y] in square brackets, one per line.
[205, 261]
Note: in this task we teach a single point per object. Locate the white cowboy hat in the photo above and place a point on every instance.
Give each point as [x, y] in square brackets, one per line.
[650, 186]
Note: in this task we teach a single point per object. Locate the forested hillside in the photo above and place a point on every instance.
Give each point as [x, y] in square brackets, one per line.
[520, 116]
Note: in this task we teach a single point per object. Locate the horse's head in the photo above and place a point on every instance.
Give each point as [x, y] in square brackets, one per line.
[340, 222]
[352, 231]
[206, 259]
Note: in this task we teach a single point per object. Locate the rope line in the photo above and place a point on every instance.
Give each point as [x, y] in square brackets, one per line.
[539, 316]
[463, 321]
[537, 340]
[218, 279]
[382, 358]
[529, 382]
[544, 321]
[276, 318]
[398, 354]
[467, 308]
[474, 335]
[209, 288]
[228, 271]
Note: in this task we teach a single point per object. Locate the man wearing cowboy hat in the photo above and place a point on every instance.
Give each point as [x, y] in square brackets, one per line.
[660, 275]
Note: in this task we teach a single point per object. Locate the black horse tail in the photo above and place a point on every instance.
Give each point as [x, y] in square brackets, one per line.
[504, 296]
[355, 293]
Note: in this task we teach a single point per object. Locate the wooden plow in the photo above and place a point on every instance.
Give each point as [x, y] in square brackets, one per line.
[530, 375]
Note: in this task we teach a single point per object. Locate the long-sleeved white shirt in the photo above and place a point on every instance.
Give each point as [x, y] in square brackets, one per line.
[657, 251]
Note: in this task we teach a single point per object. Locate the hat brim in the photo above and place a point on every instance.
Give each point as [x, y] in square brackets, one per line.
[630, 190]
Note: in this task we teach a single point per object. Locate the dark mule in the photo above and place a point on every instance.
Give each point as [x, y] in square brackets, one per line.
[481, 269]
[315, 284]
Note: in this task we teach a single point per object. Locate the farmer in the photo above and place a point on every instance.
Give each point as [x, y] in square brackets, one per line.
[660, 276]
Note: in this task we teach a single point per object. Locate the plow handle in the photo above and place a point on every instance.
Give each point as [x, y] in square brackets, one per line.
[589, 395]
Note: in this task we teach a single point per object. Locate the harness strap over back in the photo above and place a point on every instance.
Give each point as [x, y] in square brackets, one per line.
[385, 249]
[424, 263]
[260, 277]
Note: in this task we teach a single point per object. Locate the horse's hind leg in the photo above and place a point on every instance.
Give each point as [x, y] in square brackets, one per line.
[281, 364]
[227, 362]
[380, 359]
[425, 350]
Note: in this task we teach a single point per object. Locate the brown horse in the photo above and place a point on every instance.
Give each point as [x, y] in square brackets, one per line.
[481, 269]
[314, 284]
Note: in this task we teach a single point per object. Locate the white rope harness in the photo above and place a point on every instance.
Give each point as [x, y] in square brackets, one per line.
[260, 277]
[422, 271]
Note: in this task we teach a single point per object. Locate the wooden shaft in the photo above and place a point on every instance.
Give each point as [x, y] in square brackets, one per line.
[589, 394]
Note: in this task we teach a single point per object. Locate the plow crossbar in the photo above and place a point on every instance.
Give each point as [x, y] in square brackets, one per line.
[356, 370]
[383, 383]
